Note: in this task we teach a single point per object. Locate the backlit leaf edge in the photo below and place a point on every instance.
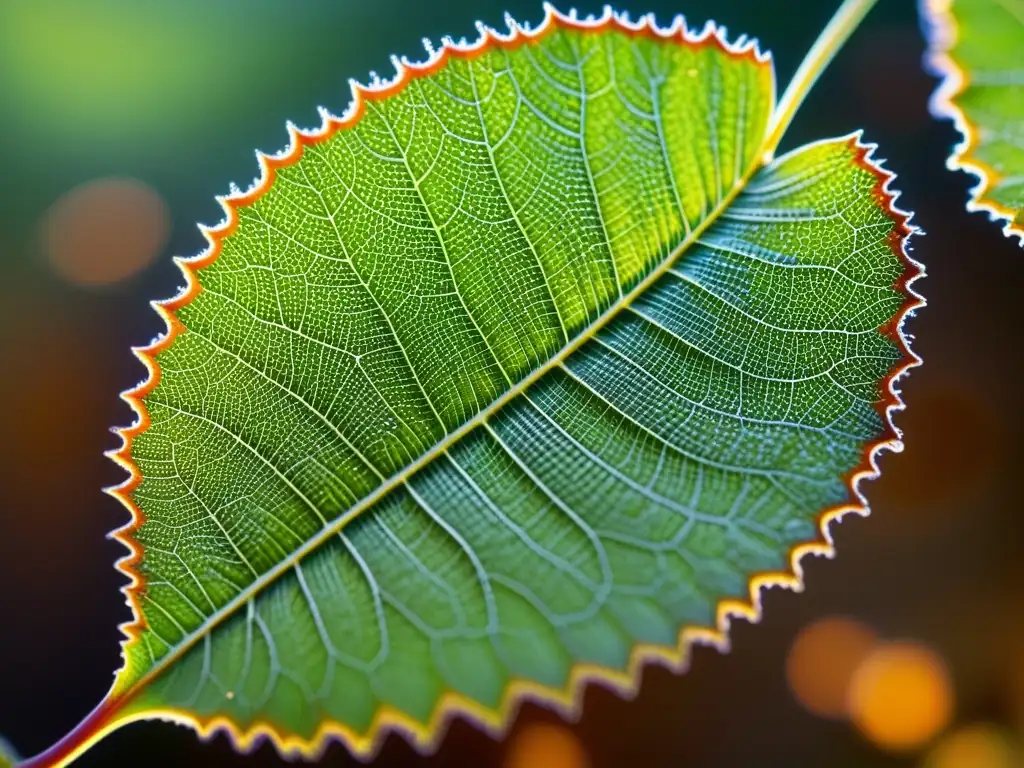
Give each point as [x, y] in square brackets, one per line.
[941, 31]
[568, 699]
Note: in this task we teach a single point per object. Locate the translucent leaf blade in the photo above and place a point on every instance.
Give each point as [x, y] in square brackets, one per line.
[522, 372]
[406, 273]
[596, 521]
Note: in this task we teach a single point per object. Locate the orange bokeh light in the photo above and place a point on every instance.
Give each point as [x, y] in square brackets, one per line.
[974, 746]
[544, 745]
[822, 661]
[104, 231]
[901, 696]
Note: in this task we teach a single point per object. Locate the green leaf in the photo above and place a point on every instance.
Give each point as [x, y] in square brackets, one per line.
[976, 46]
[524, 372]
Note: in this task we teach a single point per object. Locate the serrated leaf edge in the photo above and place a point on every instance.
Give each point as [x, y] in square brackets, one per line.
[568, 701]
[111, 714]
[941, 31]
[298, 138]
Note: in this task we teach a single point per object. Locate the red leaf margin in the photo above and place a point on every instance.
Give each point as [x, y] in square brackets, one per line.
[110, 715]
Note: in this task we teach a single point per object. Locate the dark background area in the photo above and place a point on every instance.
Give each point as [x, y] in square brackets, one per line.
[178, 94]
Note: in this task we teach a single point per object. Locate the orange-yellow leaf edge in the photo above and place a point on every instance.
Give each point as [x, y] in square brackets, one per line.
[113, 711]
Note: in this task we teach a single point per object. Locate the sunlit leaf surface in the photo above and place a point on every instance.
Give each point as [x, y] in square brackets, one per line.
[524, 371]
[978, 48]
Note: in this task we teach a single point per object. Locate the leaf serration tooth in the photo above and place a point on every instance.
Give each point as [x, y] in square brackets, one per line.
[590, 18]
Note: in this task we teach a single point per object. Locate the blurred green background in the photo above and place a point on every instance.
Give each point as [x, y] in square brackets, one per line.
[176, 95]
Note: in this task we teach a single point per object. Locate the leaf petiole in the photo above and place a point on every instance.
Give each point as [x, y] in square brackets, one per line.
[849, 16]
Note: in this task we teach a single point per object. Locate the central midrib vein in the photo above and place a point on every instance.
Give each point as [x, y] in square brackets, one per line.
[480, 419]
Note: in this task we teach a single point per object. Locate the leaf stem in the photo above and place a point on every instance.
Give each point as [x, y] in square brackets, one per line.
[849, 16]
[95, 726]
